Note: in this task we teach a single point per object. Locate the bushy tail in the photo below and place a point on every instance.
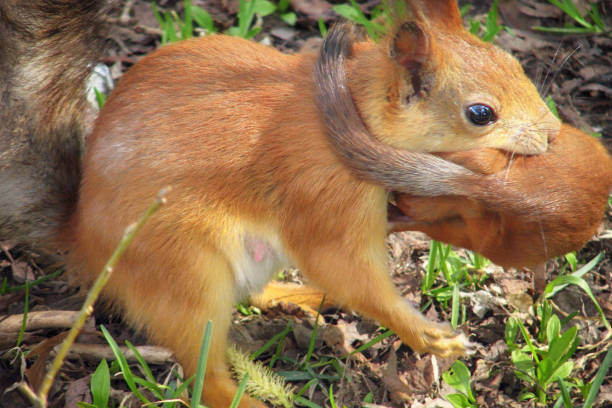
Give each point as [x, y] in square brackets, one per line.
[47, 50]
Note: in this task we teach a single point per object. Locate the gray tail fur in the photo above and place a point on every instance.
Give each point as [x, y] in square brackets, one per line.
[47, 50]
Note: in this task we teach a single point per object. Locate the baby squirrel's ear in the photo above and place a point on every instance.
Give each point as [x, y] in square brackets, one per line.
[411, 49]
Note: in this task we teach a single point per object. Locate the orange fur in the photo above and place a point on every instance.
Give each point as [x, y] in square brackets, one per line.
[217, 131]
[260, 180]
[234, 128]
[567, 188]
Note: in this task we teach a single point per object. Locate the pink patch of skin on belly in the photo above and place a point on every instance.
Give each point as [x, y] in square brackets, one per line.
[258, 249]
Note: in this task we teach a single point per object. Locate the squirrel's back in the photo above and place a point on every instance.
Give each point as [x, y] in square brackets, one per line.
[47, 49]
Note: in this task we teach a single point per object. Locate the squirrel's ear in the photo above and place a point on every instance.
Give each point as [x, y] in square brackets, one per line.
[411, 49]
[410, 46]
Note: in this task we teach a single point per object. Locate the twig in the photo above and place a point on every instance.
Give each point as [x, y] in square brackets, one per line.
[97, 352]
[49, 319]
[93, 294]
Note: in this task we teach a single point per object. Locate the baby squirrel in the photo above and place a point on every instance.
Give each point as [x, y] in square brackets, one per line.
[565, 213]
[496, 217]
[261, 178]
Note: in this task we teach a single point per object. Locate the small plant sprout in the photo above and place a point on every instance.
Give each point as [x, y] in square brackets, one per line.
[458, 377]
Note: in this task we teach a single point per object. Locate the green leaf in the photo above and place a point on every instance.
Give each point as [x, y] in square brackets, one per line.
[562, 372]
[458, 400]
[289, 18]
[597, 17]
[458, 377]
[561, 348]
[474, 27]
[523, 396]
[492, 26]
[510, 331]
[571, 10]
[332, 400]
[169, 31]
[203, 19]
[465, 9]
[545, 370]
[571, 260]
[550, 102]
[264, 7]
[347, 12]
[100, 98]
[100, 385]
[157, 15]
[523, 362]
[253, 32]
[553, 328]
[283, 5]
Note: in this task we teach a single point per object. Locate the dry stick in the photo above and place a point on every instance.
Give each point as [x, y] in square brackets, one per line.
[47, 319]
[40, 400]
[97, 352]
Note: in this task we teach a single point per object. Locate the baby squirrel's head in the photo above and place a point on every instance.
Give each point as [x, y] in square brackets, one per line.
[438, 88]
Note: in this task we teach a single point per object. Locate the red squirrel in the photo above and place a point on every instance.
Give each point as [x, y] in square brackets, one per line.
[261, 177]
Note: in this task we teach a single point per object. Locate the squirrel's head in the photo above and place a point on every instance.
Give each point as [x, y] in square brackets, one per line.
[439, 88]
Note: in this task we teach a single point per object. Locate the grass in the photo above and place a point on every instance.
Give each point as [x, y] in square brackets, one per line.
[589, 22]
[542, 355]
[196, 19]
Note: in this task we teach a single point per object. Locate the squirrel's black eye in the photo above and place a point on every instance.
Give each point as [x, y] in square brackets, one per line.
[480, 115]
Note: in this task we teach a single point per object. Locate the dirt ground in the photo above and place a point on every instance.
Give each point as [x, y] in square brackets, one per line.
[575, 70]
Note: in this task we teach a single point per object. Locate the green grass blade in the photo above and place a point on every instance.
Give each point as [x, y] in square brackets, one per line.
[202, 359]
[581, 283]
[599, 378]
[123, 364]
[455, 306]
[303, 401]
[552, 289]
[239, 392]
[187, 27]
[565, 396]
[322, 27]
[369, 344]
[272, 341]
[26, 308]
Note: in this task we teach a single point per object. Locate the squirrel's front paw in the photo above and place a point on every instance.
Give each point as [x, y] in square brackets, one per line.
[441, 340]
